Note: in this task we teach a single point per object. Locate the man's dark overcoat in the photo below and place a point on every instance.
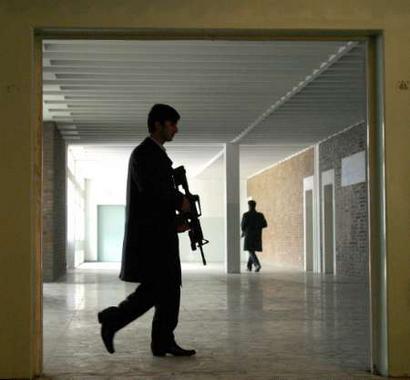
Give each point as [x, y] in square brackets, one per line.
[151, 248]
[252, 224]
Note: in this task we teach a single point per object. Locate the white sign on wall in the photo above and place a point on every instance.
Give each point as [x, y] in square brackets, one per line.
[354, 169]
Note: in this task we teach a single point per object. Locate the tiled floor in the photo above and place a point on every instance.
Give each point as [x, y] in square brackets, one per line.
[267, 325]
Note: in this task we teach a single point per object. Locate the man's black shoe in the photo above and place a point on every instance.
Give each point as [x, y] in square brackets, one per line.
[258, 268]
[107, 332]
[173, 349]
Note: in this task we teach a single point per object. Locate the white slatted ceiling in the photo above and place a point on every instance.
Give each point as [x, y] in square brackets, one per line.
[99, 92]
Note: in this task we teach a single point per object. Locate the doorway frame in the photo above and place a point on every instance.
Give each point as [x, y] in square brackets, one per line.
[328, 178]
[375, 150]
[308, 185]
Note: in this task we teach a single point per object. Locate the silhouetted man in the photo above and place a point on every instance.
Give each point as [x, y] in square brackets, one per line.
[252, 224]
[150, 253]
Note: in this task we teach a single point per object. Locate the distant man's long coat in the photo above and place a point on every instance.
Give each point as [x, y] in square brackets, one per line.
[252, 224]
[151, 248]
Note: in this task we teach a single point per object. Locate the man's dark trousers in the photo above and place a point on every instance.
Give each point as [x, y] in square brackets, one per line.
[165, 297]
[253, 259]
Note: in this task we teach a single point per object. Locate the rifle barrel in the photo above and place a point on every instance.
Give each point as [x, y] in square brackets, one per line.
[202, 255]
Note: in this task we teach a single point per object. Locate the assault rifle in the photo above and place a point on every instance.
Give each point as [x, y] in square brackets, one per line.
[191, 218]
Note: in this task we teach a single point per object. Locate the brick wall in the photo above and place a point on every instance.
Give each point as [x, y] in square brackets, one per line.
[278, 192]
[54, 204]
[351, 203]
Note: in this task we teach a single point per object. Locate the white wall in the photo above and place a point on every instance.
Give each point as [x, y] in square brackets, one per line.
[109, 190]
[211, 192]
[105, 184]
[75, 213]
[106, 191]
[210, 188]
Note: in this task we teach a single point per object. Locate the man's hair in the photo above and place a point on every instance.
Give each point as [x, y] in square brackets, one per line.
[252, 203]
[161, 113]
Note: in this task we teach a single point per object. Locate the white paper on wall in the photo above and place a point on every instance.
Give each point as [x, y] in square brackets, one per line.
[354, 169]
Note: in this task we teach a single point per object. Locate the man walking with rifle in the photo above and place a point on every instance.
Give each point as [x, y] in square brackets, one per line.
[150, 254]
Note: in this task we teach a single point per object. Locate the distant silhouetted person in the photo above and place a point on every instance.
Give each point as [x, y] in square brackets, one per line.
[150, 254]
[252, 224]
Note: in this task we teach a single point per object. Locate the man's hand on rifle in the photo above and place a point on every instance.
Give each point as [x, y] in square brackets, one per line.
[182, 227]
[185, 205]
[182, 224]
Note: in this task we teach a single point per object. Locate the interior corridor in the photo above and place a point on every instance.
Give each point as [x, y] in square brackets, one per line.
[270, 121]
[251, 326]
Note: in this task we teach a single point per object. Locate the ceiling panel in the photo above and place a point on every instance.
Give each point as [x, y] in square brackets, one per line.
[106, 88]
[273, 97]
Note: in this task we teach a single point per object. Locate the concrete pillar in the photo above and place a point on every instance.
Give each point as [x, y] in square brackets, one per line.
[232, 209]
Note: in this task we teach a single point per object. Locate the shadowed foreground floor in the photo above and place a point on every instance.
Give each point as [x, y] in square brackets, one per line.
[268, 325]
